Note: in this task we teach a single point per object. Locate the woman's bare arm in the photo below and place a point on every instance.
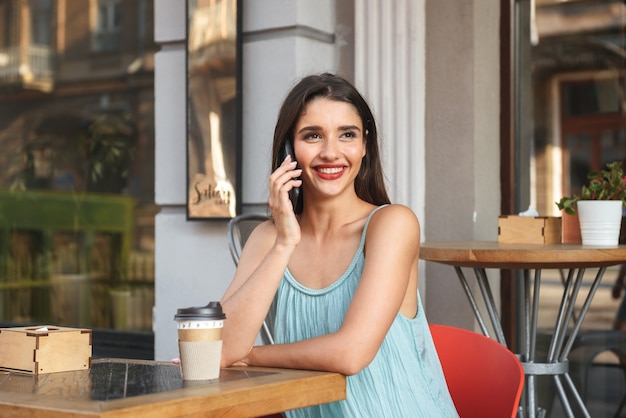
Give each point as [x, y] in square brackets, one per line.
[249, 296]
[388, 285]
[263, 261]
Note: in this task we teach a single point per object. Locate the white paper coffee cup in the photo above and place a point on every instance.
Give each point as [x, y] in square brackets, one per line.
[200, 341]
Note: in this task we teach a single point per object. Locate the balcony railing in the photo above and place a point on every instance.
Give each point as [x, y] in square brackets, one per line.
[30, 67]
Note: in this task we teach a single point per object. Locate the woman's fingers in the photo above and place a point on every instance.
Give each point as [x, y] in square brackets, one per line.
[283, 179]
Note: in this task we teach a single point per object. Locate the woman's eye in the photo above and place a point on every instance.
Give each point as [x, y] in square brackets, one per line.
[312, 136]
[349, 135]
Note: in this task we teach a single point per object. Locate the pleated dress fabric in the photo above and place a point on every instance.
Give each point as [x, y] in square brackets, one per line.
[405, 378]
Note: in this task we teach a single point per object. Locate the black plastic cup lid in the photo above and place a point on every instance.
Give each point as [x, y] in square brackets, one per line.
[212, 311]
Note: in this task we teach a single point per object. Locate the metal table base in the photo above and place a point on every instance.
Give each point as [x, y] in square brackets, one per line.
[555, 363]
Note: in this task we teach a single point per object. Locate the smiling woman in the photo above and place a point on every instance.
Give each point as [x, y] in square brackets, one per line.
[330, 154]
[369, 185]
[340, 272]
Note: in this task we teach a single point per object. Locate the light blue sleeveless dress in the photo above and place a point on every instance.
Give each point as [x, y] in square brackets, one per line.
[404, 379]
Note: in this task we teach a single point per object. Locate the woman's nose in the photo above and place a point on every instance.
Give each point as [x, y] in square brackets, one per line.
[329, 149]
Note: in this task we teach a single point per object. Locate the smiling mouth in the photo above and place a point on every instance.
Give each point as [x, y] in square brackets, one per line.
[330, 170]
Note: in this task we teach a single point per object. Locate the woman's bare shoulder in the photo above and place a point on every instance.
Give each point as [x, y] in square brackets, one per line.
[395, 213]
[394, 219]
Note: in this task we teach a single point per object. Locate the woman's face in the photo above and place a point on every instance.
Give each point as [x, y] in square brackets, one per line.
[329, 143]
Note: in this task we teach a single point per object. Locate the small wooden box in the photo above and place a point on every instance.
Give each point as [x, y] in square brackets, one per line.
[44, 349]
[515, 229]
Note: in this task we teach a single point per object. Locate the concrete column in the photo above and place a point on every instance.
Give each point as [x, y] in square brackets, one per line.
[389, 71]
[462, 141]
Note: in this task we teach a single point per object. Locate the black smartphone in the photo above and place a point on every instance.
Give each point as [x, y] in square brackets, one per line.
[294, 193]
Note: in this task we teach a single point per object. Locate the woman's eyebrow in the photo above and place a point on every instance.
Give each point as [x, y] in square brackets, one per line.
[310, 128]
[349, 128]
[319, 128]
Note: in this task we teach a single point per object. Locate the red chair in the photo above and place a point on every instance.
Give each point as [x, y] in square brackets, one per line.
[484, 377]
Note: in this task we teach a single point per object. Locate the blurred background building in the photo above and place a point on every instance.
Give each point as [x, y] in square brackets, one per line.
[77, 167]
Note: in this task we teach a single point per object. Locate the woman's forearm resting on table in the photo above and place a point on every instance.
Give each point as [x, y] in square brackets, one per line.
[329, 352]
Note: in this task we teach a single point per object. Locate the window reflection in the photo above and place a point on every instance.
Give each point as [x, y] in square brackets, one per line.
[577, 64]
[212, 109]
[108, 34]
[77, 168]
[570, 114]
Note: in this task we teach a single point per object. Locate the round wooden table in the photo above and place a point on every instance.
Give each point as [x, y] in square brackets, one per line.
[480, 256]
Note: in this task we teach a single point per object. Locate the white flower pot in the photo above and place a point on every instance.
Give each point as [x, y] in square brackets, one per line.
[600, 221]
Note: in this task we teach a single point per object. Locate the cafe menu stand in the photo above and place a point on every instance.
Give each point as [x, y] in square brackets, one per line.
[481, 256]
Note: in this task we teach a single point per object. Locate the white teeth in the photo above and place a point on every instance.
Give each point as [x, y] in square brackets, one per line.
[330, 170]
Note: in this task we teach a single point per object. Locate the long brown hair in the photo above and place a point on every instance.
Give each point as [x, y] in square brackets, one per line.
[369, 183]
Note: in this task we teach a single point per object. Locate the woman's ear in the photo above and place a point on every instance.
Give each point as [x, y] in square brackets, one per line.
[365, 143]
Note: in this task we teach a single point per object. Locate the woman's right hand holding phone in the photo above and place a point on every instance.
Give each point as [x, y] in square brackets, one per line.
[261, 267]
[282, 180]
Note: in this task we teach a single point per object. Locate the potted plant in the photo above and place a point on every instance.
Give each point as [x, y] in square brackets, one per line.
[599, 205]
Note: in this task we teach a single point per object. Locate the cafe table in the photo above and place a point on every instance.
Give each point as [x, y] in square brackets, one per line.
[138, 388]
[531, 260]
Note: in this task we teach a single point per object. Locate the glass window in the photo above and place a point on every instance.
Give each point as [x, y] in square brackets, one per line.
[570, 106]
[109, 29]
[41, 15]
[575, 51]
[77, 175]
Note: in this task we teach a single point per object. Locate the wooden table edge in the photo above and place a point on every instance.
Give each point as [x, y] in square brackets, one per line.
[262, 395]
[491, 254]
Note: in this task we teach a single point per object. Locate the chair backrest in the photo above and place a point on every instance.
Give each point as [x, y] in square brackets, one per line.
[484, 377]
[239, 229]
